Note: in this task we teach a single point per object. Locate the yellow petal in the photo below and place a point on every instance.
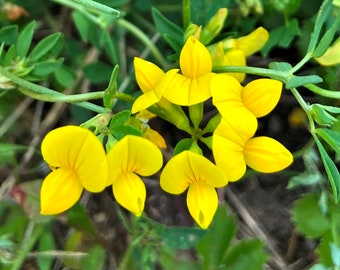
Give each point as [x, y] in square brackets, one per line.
[266, 155]
[252, 42]
[227, 146]
[185, 91]
[60, 190]
[195, 60]
[261, 96]
[202, 203]
[129, 191]
[153, 136]
[226, 93]
[144, 101]
[78, 149]
[188, 167]
[148, 75]
[134, 154]
[235, 58]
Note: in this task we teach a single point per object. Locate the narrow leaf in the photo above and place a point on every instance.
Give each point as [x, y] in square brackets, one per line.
[331, 137]
[8, 34]
[43, 47]
[331, 169]
[296, 81]
[24, 40]
[111, 90]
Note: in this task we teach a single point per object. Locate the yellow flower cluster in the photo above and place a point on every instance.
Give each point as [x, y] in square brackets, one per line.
[78, 159]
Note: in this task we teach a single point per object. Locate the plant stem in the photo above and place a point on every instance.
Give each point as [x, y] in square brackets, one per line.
[186, 13]
[323, 92]
[145, 39]
[45, 94]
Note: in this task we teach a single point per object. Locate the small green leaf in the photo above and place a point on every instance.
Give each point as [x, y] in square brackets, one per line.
[120, 126]
[43, 47]
[10, 56]
[280, 66]
[296, 81]
[8, 34]
[111, 90]
[331, 137]
[247, 254]
[46, 242]
[24, 40]
[83, 25]
[321, 116]
[65, 76]
[167, 27]
[331, 169]
[305, 179]
[79, 219]
[95, 258]
[182, 145]
[309, 218]
[8, 151]
[45, 68]
[214, 244]
[182, 237]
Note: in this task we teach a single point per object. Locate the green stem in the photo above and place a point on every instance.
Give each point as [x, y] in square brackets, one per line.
[37, 230]
[92, 5]
[323, 92]
[274, 74]
[45, 94]
[145, 39]
[186, 13]
[302, 62]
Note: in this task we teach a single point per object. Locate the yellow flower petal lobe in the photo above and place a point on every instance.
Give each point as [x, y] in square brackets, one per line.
[202, 203]
[261, 96]
[129, 191]
[266, 155]
[60, 190]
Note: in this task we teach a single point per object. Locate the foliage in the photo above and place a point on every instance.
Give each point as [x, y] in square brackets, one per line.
[182, 67]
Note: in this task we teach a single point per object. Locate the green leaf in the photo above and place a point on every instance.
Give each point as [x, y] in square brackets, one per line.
[24, 40]
[46, 243]
[8, 151]
[8, 34]
[79, 219]
[45, 68]
[182, 237]
[111, 90]
[280, 66]
[182, 145]
[214, 244]
[83, 25]
[95, 258]
[296, 81]
[331, 137]
[327, 38]
[335, 253]
[305, 179]
[10, 56]
[247, 254]
[320, 266]
[43, 47]
[309, 218]
[98, 72]
[167, 27]
[321, 116]
[120, 126]
[331, 169]
[323, 15]
[65, 76]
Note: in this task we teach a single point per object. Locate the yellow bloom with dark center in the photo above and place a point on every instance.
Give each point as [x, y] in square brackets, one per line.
[78, 160]
[191, 171]
[192, 85]
[234, 150]
[128, 158]
[152, 81]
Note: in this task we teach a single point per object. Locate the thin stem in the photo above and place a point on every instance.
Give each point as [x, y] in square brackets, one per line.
[274, 74]
[302, 62]
[45, 94]
[323, 92]
[186, 13]
[145, 39]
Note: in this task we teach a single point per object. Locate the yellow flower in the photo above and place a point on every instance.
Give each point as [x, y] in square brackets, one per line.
[78, 160]
[201, 177]
[242, 105]
[152, 81]
[234, 150]
[128, 158]
[192, 86]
